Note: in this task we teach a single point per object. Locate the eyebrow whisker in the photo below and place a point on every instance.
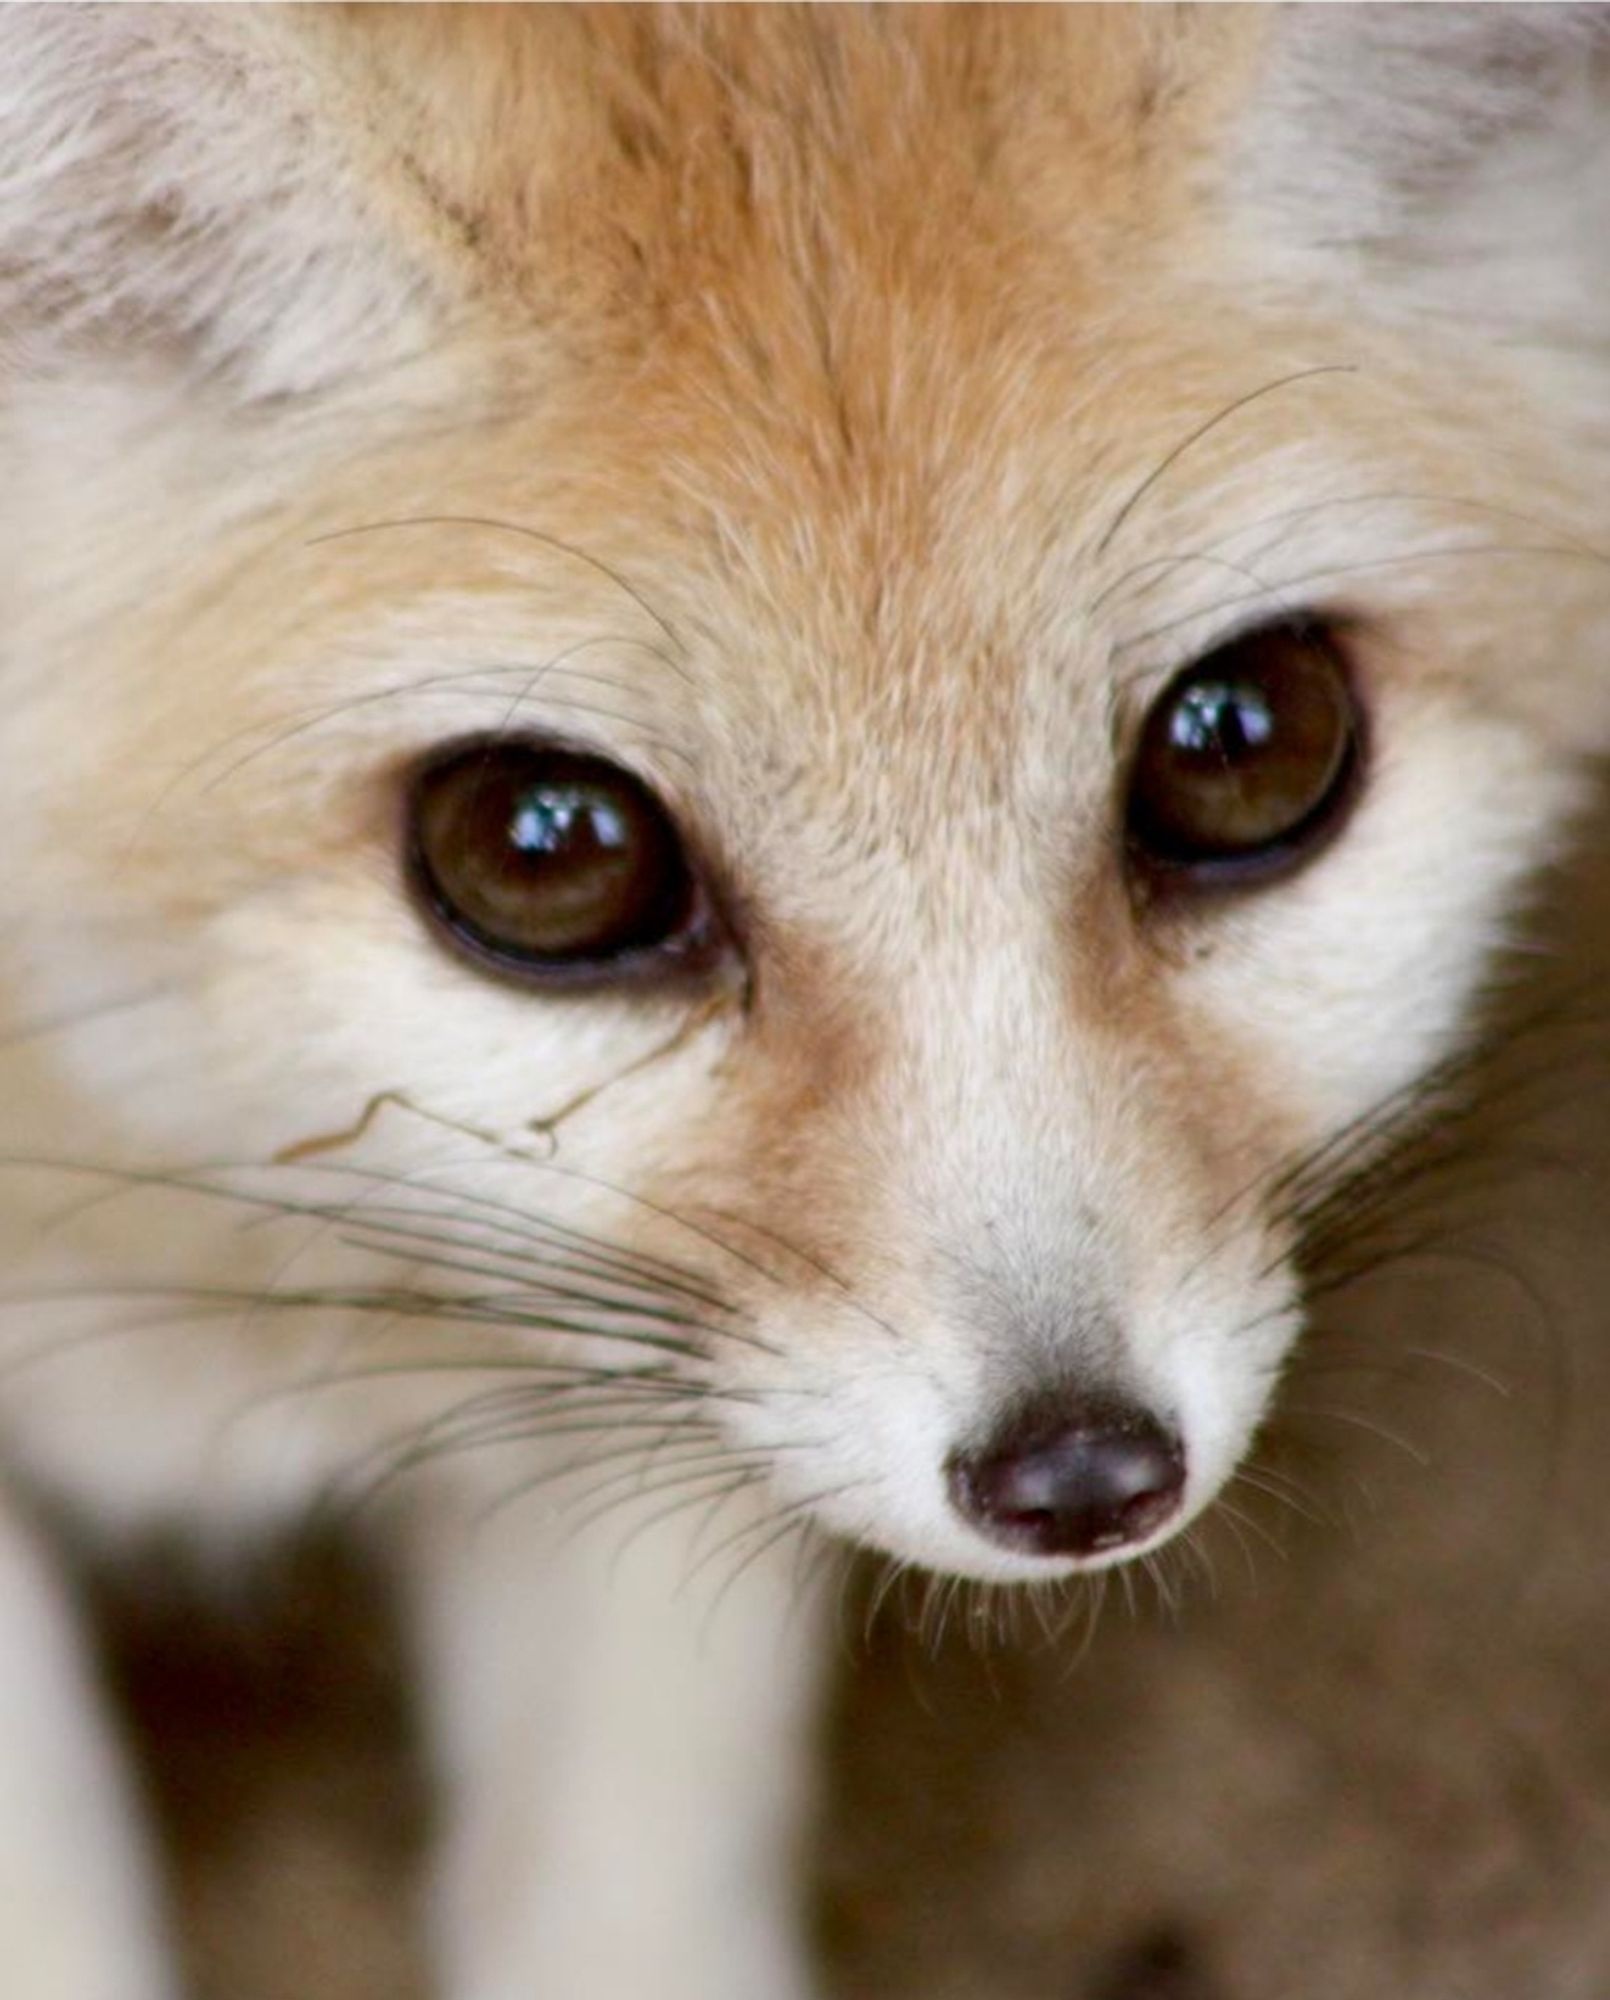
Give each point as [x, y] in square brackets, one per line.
[536, 535]
[1203, 430]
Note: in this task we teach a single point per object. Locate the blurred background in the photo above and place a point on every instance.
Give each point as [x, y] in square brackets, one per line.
[1359, 1749]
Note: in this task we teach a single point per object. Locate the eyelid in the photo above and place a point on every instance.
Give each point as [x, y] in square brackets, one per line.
[1157, 876]
[1135, 690]
[689, 956]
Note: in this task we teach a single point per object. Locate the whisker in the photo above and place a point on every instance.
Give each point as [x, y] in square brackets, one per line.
[893, 1571]
[1157, 568]
[711, 1504]
[812, 1263]
[721, 1469]
[1238, 1526]
[1223, 416]
[276, 735]
[787, 1513]
[662, 1272]
[533, 1289]
[460, 1429]
[655, 1274]
[1358, 1421]
[529, 534]
[30, 1032]
[1330, 572]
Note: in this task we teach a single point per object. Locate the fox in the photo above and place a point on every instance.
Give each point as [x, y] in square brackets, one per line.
[740, 750]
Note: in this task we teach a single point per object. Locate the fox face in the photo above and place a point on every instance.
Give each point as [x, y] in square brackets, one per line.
[803, 718]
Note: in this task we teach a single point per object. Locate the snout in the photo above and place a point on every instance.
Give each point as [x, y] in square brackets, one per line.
[1071, 1478]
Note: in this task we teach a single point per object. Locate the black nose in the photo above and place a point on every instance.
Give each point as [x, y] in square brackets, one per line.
[1076, 1479]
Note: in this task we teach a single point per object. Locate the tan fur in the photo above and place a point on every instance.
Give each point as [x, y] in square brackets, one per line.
[849, 421]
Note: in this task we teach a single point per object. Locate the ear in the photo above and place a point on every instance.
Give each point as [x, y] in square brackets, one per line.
[203, 181]
[1454, 159]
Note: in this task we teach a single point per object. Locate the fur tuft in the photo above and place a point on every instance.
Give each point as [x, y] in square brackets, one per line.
[190, 183]
[1451, 162]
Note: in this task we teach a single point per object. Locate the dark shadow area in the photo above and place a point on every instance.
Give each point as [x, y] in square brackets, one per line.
[276, 1745]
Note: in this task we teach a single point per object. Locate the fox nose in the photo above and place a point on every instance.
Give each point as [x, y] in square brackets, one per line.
[1073, 1480]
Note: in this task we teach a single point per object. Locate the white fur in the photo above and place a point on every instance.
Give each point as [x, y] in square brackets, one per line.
[78, 1911]
[120, 209]
[647, 1736]
[214, 978]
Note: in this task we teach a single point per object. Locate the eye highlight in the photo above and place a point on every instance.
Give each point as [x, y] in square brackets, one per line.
[552, 865]
[1246, 761]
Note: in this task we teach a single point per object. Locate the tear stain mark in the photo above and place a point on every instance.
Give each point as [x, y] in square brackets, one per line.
[546, 1127]
[327, 1142]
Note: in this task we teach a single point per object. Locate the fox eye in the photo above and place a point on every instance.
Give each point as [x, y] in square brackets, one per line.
[1247, 759]
[549, 864]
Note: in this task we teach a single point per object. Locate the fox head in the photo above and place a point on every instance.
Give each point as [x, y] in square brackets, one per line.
[822, 708]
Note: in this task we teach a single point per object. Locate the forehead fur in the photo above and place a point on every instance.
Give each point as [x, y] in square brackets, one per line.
[734, 233]
[848, 332]
[759, 308]
[623, 164]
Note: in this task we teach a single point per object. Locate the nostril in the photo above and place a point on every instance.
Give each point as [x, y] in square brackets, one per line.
[1082, 1481]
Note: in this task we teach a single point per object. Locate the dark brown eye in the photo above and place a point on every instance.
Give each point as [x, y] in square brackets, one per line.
[550, 863]
[1246, 759]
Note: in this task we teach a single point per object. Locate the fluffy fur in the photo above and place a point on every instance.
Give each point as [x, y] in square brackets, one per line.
[849, 421]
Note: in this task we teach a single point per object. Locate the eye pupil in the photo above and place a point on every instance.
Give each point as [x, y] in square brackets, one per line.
[1219, 719]
[545, 861]
[1245, 760]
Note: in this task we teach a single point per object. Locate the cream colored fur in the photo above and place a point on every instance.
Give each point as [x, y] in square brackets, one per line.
[848, 422]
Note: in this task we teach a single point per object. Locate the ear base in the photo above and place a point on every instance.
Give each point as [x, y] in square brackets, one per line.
[1454, 158]
[1370, 111]
[180, 177]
